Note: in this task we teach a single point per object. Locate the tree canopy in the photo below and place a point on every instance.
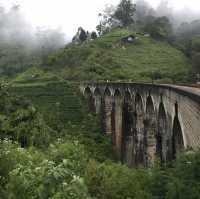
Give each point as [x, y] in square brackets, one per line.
[125, 12]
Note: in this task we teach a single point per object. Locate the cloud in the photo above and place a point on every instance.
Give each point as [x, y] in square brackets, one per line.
[70, 14]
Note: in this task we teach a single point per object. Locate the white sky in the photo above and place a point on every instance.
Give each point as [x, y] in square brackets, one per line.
[70, 14]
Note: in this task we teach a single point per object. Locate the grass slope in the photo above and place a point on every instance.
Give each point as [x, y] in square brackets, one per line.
[57, 101]
[107, 58]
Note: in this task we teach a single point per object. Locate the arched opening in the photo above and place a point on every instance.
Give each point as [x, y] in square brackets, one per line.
[107, 92]
[127, 96]
[150, 132]
[139, 137]
[162, 138]
[89, 99]
[87, 91]
[117, 93]
[177, 138]
[127, 135]
[97, 92]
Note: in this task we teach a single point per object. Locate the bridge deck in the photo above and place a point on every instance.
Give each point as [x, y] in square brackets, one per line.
[194, 90]
[186, 90]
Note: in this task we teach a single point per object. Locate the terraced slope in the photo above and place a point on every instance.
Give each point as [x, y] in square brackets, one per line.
[57, 101]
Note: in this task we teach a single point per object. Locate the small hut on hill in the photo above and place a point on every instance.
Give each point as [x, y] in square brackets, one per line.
[128, 39]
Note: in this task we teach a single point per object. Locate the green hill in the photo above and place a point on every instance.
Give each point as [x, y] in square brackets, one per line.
[107, 58]
[58, 102]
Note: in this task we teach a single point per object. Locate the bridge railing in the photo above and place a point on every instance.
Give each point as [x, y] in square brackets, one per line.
[190, 90]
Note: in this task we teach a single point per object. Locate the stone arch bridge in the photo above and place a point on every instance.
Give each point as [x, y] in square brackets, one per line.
[147, 121]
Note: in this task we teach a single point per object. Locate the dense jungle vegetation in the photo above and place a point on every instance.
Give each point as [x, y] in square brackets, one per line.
[51, 144]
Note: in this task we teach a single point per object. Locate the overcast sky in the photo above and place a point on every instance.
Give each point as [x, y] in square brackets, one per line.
[70, 14]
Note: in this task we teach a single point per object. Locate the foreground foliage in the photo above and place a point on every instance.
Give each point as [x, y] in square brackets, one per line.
[66, 171]
[20, 121]
[80, 165]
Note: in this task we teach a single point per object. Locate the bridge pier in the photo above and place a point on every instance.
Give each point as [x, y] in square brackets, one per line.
[98, 104]
[140, 147]
[107, 114]
[118, 126]
[128, 149]
[150, 133]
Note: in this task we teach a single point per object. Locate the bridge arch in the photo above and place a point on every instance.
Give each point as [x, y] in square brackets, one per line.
[97, 92]
[89, 97]
[150, 108]
[107, 92]
[87, 91]
[117, 93]
[163, 147]
[128, 130]
[139, 105]
[177, 136]
[173, 130]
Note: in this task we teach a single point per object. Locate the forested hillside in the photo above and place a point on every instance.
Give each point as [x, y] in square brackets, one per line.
[110, 58]
[51, 143]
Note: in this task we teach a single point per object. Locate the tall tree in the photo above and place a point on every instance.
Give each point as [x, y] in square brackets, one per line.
[82, 34]
[93, 35]
[159, 28]
[106, 19]
[125, 12]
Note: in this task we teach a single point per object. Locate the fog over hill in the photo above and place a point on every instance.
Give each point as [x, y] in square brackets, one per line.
[69, 15]
[21, 43]
[66, 17]
[30, 30]
[177, 13]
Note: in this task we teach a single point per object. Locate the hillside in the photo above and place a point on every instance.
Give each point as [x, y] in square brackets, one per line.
[57, 101]
[107, 58]
[69, 157]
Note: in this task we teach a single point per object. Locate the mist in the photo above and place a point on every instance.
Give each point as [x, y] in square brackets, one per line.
[176, 15]
[21, 44]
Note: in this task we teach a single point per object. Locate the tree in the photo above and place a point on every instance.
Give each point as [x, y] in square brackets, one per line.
[82, 34]
[93, 35]
[159, 28]
[125, 12]
[106, 19]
